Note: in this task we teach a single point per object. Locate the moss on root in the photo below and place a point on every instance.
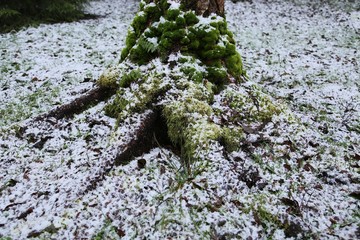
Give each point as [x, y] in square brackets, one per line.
[109, 78]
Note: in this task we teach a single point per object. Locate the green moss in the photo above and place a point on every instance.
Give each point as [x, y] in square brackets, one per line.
[191, 36]
[230, 37]
[122, 107]
[194, 45]
[234, 65]
[139, 55]
[130, 39]
[165, 43]
[210, 37]
[200, 134]
[151, 32]
[216, 52]
[175, 35]
[222, 27]
[167, 26]
[164, 5]
[182, 128]
[130, 42]
[191, 18]
[230, 49]
[142, 5]
[152, 11]
[118, 105]
[127, 79]
[185, 40]
[252, 105]
[208, 58]
[192, 73]
[218, 63]
[199, 32]
[232, 137]
[109, 78]
[178, 32]
[217, 75]
[188, 119]
[139, 23]
[172, 14]
[180, 22]
[124, 54]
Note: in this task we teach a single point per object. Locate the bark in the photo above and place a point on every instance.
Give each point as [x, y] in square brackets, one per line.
[151, 132]
[141, 142]
[205, 7]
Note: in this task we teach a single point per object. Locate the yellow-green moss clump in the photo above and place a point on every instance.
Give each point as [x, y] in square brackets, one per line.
[183, 65]
[250, 104]
[109, 78]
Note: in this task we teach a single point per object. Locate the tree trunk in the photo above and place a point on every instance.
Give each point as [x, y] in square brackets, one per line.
[206, 7]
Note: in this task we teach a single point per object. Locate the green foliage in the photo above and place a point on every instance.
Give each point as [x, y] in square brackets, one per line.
[126, 79]
[117, 107]
[143, 52]
[177, 116]
[8, 15]
[17, 13]
[153, 11]
[147, 46]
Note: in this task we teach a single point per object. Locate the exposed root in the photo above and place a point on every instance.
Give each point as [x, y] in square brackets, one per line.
[78, 105]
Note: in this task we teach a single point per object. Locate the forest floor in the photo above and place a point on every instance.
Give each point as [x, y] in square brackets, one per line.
[299, 179]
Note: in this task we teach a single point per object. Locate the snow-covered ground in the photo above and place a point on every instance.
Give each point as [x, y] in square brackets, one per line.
[300, 177]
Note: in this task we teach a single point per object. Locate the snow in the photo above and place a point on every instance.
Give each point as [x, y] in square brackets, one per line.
[303, 55]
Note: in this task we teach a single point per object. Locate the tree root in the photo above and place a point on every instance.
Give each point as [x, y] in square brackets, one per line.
[78, 105]
[142, 139]
[151, 132]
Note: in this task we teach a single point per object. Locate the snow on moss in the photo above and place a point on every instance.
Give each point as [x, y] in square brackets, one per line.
[293, 176]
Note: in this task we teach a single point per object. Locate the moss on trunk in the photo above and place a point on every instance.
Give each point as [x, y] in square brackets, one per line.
[187, 67]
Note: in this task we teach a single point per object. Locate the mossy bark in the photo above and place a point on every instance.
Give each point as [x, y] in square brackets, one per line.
[181, 63]
[179, 55]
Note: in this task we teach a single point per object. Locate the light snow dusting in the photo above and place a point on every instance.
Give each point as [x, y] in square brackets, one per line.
[295, 177]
